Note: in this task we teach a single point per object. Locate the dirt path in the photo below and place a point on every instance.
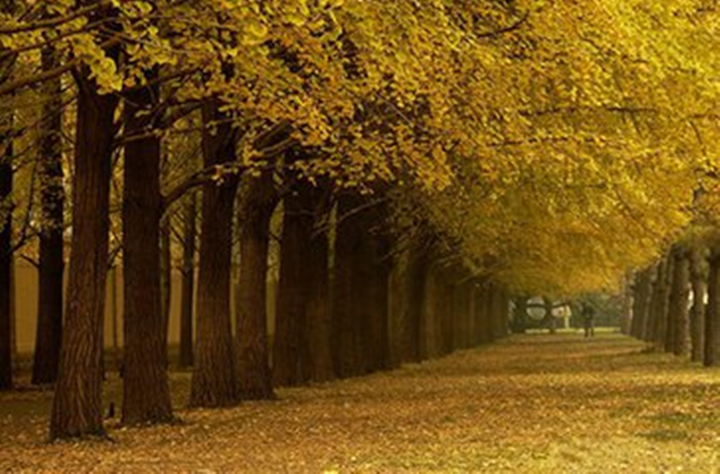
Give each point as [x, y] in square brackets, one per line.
[528, 404]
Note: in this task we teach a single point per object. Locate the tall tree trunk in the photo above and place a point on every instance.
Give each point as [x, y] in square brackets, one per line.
[77, 406]
[712, 316]
[697, 312]
[641, 296]
[188, 282]
[252, 364]
[319, 335]
[213, 379]
[50, 290]
[6, 325]
[378, 353]
[7, 63]
[677, 340]
[293, 294]
[417, 269]
[146, 395]
[659, 304]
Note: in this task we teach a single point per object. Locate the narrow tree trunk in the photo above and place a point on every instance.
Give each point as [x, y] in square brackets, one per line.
[77, 406]
[50, 289]
[641, 295]
[697, 312]
[677, 340]
[712, 317]
[213, 379]
[146, 395]
[188, 282]
[252, 365]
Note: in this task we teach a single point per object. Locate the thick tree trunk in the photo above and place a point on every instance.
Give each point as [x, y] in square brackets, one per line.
[676, 340]
[77, 406]
[289, 349]
[319, 335]
[188, 282]
[352, 283]
[252, 364]
[302, 345]
[7, 63]
[712, 316]
[378, 353]
[659, 304]
[213, 379]
[697, 312]
[146, 395]
[6, 325]
[641, 296]
[50, 289]
[417, 269]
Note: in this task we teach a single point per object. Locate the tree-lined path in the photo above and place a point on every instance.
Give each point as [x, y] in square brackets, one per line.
[531, 403]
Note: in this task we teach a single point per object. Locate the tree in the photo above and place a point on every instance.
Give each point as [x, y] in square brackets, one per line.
[77, 405]
[50, 291]
[213, 379]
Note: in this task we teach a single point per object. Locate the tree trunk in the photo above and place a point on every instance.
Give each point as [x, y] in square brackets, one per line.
[712, 317]
[659, 304]
[146, 396]
[50, 289]
[7, 63]
[519, 321]
[676, 340]
[213, 379]
[188, 282]
[293, 295]
[641, 296]
[6, 326]
[697, 312]
[318, 275]
[378, 353]
[252, 365]
[352, 287]
[77, 406]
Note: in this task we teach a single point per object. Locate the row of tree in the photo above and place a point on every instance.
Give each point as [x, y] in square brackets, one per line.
[427, 158]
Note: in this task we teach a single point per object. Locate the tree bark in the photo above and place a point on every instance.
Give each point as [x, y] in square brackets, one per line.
[6, 325]
[659, 304]
[641, 295]
[676, 340]
[213, 379]
[697, 312]
[712, 317]
[146, 395]
[7, 64]
[289, 357]
[252, 364]
[188, 282]
[319, 336]
[77, 404]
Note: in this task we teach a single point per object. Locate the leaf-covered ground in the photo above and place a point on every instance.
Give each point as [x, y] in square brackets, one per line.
[534, 403]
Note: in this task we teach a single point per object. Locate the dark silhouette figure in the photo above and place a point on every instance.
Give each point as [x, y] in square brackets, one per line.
[588, 315]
